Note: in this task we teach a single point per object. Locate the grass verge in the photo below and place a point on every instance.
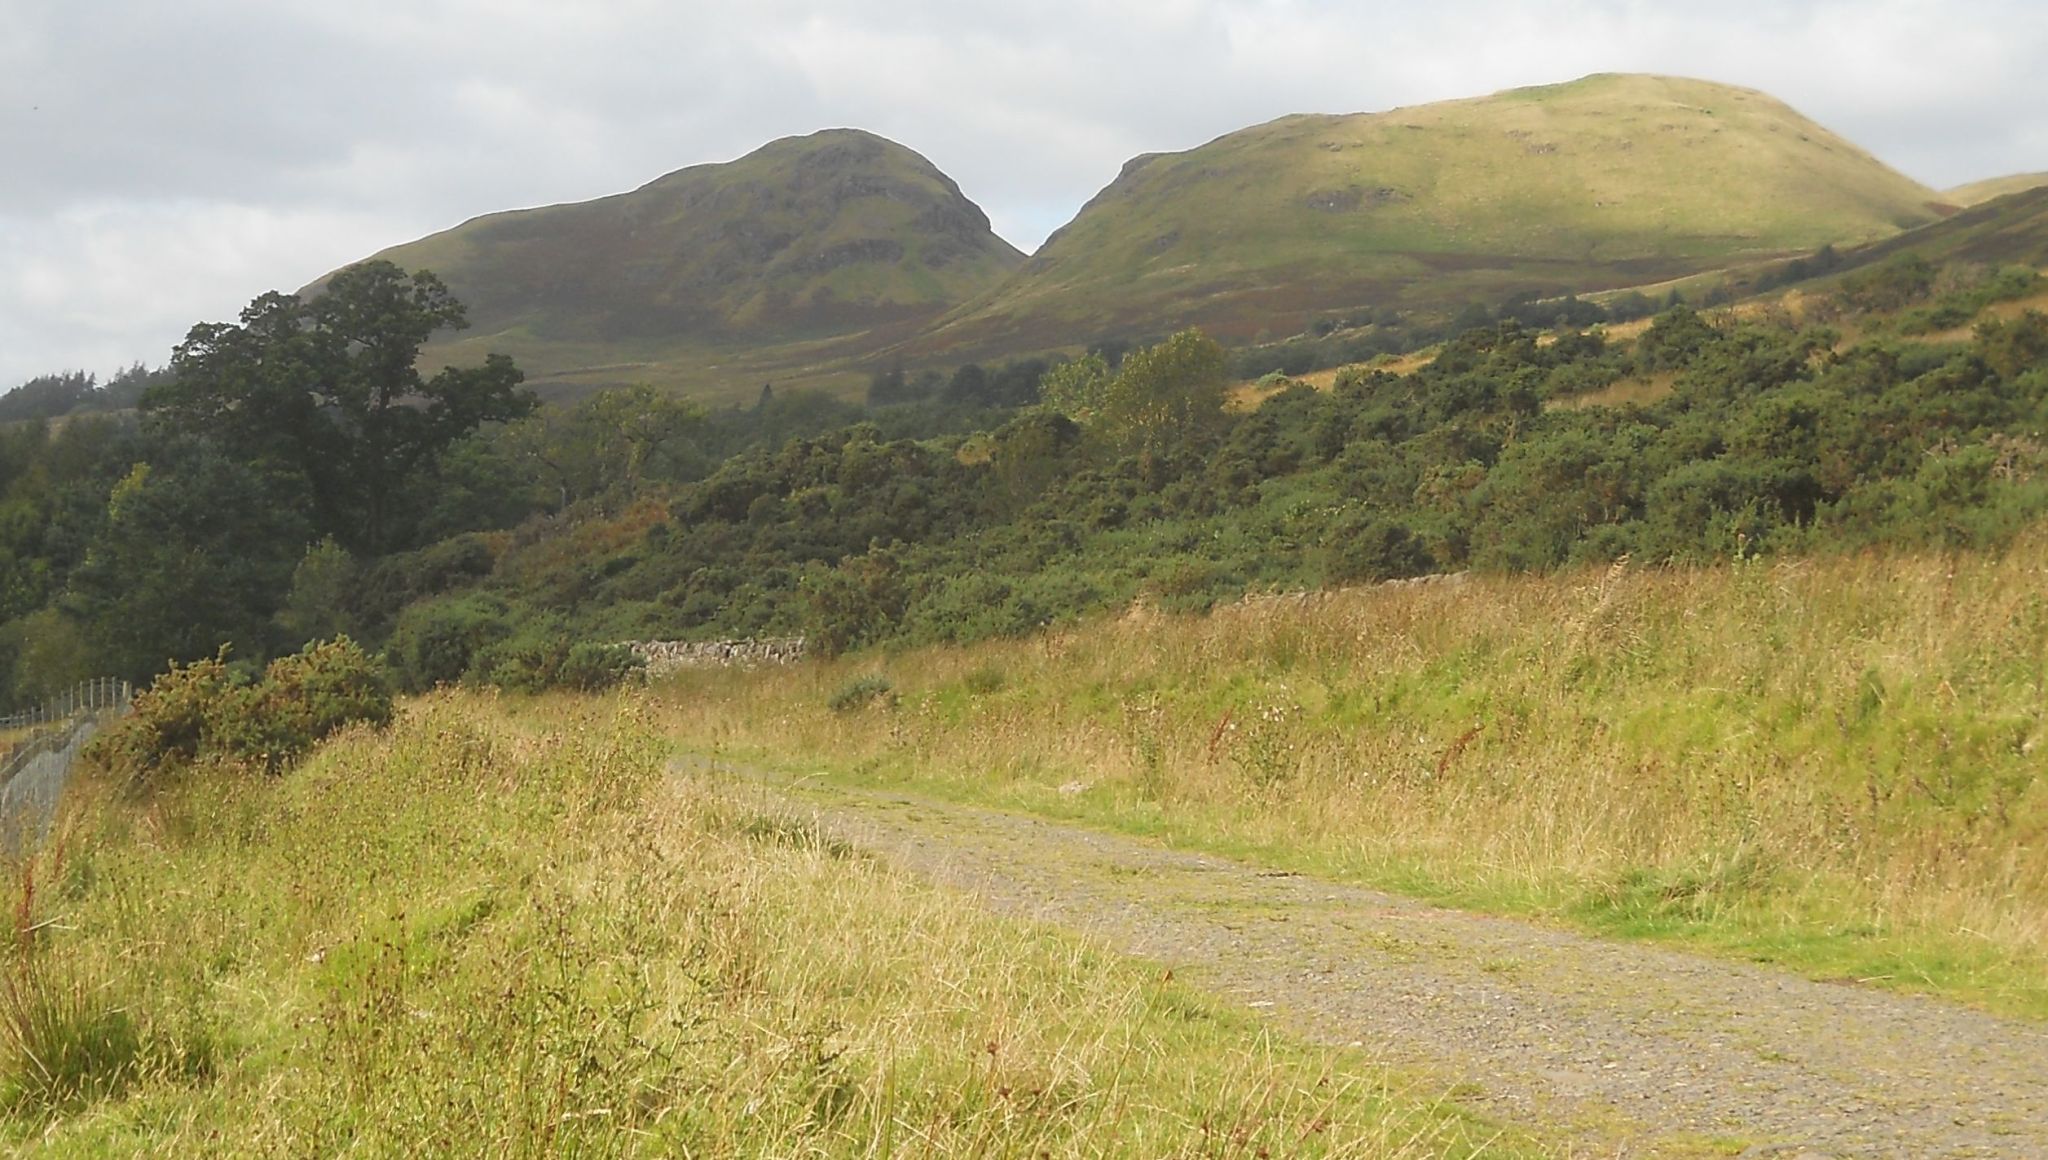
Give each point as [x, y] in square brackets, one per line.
[508, 932]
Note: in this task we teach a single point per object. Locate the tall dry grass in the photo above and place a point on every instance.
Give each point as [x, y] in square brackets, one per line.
[512, 933]
[1829, 762]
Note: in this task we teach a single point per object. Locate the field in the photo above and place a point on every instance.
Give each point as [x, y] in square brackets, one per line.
[1830, 764]
[510, 930]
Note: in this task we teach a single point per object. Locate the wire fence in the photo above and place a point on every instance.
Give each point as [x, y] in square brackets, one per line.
[34, 770]
[85, 697]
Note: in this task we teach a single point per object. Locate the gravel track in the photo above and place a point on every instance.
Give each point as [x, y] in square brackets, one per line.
[1605, 1048]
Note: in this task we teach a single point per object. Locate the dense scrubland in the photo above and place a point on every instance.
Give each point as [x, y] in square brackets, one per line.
[1761, 437]
[466, 534]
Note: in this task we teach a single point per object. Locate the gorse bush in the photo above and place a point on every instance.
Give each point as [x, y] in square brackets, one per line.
[479, 639]
[200, 712]
[170, 723]
[525, 665]
[301, 700]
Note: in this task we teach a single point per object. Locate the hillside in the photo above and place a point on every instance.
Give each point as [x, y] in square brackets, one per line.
[1603, 182]
[1979, 192]
[2012, 230]
[808, 247]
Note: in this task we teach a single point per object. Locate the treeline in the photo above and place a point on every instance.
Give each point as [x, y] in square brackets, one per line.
[77, 393]
[292, 478]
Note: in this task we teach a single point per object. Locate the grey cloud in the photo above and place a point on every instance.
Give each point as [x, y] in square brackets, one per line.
[169, 161]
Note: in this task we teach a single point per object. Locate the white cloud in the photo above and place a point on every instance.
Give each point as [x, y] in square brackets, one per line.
[168, 162]
[103, 286]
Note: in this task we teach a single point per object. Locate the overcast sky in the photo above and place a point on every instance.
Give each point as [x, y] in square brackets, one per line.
[165, 161]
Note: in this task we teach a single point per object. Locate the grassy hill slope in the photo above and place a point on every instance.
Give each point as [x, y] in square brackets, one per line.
[2011, 230]
[809, 247]
[1979, 192]
[1607, 181]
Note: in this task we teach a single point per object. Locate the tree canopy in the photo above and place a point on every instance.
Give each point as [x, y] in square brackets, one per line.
[1158, 396]
[330, 385]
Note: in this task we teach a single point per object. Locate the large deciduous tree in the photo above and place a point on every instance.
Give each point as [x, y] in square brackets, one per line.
[330, 385]
[1160, 397]
[613, 443]
[197, 551]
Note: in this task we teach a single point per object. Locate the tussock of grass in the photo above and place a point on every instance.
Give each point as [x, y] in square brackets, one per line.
[514, 935]
[1830, 763]
[62, 1039]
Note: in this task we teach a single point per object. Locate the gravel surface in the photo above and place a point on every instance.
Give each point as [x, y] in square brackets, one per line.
[1608, 1048]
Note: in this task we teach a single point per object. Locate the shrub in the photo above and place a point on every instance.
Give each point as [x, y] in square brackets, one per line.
[200, 712]
[1372, 548]
[861, 692]
[537, 664]
[301, 700]
[435, 643]
[169, 724]
[590, 666]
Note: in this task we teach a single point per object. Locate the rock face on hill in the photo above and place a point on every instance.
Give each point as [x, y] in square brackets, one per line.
[806, 239]
[1603, 182]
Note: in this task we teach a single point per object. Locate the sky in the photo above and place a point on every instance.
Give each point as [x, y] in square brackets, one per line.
[162, 162]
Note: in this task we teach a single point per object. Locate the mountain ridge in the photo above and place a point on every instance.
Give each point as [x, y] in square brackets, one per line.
[817, 258]
[1559, 188]
[828, 238]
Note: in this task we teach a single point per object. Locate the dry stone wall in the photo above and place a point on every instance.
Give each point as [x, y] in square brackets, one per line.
[667, 656]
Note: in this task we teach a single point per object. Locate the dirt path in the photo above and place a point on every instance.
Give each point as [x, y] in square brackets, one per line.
[1623, 1049]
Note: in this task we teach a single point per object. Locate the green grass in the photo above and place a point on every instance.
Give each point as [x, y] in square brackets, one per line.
[508, 931]
[2011, 231]
[1830, 764]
